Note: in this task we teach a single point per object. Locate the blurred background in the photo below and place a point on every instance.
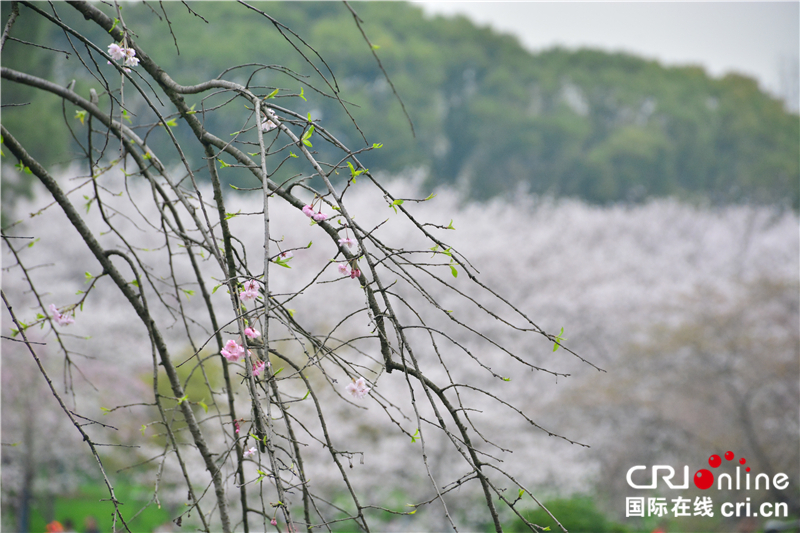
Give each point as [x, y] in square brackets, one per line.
[627, 171]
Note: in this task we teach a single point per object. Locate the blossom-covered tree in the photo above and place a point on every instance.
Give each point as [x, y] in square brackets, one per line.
[179, 254]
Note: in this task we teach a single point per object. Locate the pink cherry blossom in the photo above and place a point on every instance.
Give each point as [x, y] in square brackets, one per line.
[308, 210]
[251, 333]
[250, 291]
[347, 242]
[236, 426]
[273, 522]
[355, 273]
[131, 61]
[358, 388]
[246, 296]
[319, 217]
[232, 351]
[259, 367]
[268, 125]
[116, 51]
[61, 320]
[248, 453]
[287, 254]
[344, 269]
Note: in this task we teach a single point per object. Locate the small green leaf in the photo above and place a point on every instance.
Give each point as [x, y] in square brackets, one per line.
[223, 163]
[237, 133]
[34, 241]
[80, 115]
[202, 404]
[278, 371]
[290, 311]
[453, 271]
[183, 399]
[429, 197]
[506, 379]
[147, 156]
[172, 123]
[215, 288]
[191, 110]
[188, 293]
[521, 492]
[116, 21]
[229, 216]
[559, 338]
[450, 226]
[282, 262]
[398, 202]
[14, 332]
[22, 168]
[377, 145]
[309, 244]
[234, 187]
[375, 47]
[355, 173]
[135, 283]
[306, 396]
[105, 410]
[309, 116]
[144, 428]
[307, 135]
[292, 154]
[415, 436]
[271, 95]
[301, 94]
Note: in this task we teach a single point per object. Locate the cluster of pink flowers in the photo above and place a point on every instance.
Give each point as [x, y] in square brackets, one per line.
[259, 367]
[128, 54]
[319, 216]
[250, 291]
[345, 270]
[61, 320]
[233, 351]
[251, 333]
[358, 388]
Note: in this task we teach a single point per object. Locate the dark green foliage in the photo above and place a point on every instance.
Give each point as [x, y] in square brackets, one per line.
[489, 116]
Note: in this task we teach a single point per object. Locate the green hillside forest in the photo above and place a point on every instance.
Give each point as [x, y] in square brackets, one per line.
[489, 117]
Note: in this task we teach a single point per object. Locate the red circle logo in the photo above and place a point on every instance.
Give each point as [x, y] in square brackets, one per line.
[703, 479]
